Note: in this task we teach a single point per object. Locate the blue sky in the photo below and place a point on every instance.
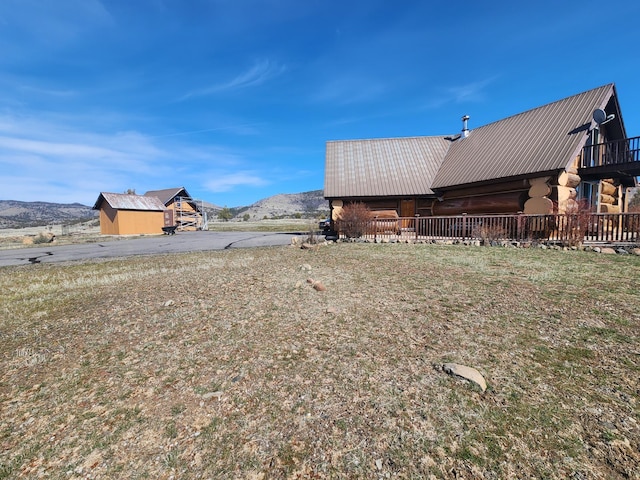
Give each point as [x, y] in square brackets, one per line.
[235, 99]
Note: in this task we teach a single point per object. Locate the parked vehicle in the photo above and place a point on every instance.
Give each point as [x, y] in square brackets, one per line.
[325, 225]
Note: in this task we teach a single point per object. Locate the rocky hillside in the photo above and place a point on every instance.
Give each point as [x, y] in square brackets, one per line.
[305, 205]
[15, 214]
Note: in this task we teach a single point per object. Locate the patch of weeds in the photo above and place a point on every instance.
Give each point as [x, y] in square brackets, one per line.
[208, 431]
[470, 454]
[609, 436]
[574, 354]
[7, 469]
[171, 430]
[178, 409]
[172, 460]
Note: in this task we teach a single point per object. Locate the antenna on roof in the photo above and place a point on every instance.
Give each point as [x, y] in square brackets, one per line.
[601, 117]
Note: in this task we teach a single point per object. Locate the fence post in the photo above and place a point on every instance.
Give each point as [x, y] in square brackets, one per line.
[375, 229]
[464, 227]
[415, 225]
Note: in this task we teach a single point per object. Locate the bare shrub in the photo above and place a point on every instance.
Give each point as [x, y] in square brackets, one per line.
[489, 234]
[43, 238]
[578, 218]
[354, 219]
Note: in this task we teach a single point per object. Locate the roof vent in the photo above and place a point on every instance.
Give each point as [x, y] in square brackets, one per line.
[465, 129]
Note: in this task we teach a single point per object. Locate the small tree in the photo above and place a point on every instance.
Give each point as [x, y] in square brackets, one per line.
[130, 191]
[354, 219]
[246, 217]
[225, 214]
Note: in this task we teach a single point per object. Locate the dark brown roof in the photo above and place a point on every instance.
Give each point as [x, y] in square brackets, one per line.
[382, 167]
[544, 139]
[167, 194]
[123, 201]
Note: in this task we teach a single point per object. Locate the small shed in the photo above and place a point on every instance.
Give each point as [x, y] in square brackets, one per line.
[125, 214]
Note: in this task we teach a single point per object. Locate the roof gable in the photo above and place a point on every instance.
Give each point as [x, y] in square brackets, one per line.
[123, 201]
[545, 139]
[388, 166]
[168, 194]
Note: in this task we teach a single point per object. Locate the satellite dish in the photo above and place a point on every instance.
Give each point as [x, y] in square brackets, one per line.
[599, 116]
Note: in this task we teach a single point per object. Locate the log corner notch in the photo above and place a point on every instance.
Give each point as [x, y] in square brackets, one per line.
[539, 202]
[565, 191]
[610, 200]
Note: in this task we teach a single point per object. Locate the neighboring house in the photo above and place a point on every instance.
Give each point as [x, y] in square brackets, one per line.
[124, 214]
[187, 214]
[541, 161]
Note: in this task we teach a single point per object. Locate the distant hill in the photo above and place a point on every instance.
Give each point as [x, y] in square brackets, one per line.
[15, 214]
[304, 205]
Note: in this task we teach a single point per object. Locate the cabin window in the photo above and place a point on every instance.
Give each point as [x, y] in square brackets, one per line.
[588, 193]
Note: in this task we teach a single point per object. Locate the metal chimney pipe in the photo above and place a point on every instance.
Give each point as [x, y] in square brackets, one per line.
[465, 129]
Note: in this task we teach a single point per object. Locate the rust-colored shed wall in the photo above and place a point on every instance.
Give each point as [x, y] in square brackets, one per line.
[131, 222]
[108, 220]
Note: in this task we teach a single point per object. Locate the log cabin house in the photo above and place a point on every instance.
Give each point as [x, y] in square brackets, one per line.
[542, 161]
[131, 214]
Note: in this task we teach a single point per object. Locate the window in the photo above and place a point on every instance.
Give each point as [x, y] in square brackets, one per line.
[588, 193]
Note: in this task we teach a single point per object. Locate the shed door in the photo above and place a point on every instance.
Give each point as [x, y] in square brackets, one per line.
[168, 218]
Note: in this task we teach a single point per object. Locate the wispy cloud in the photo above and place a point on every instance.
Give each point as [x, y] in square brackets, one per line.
[468, 92]
[349, 90]
[73, 165]
[46, 91]
[258, 74]
[240, 129]
[229, 181]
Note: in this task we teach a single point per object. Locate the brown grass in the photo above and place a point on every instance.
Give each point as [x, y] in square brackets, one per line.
[230, 365]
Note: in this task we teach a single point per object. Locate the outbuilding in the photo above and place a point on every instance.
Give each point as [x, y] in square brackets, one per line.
[126, 214]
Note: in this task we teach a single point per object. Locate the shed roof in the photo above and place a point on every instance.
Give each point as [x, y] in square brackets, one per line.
[381, 167]
[544, 139]
[168, 194]
[124, 201]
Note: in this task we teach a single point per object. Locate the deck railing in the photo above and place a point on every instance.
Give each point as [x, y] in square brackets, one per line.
[616, 152]
[568, 229]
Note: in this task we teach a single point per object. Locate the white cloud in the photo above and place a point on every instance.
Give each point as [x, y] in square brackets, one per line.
[229, 181]
[258, 74]
[470, 92]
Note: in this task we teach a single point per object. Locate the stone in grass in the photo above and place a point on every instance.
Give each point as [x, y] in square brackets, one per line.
[211, 395]
[465, 372]
[317, 285]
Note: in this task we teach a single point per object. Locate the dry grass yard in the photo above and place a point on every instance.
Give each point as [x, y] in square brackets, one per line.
[230, 365]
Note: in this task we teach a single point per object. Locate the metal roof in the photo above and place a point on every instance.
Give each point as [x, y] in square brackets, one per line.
[382, 167]
[123, 201]
[544, 139]
[167, 194]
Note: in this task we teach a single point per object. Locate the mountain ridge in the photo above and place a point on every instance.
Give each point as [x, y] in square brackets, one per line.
[19, 214]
